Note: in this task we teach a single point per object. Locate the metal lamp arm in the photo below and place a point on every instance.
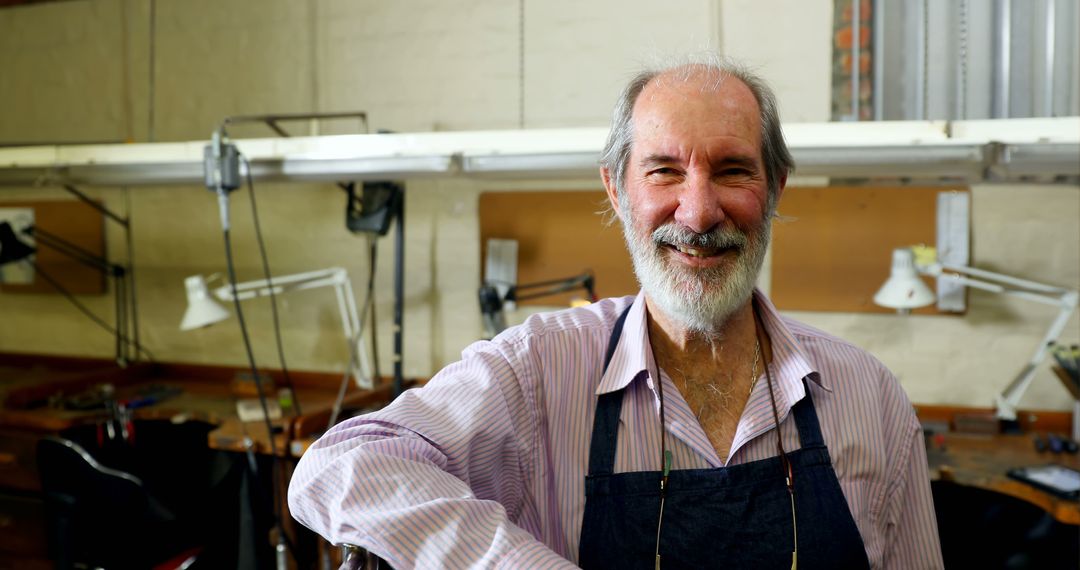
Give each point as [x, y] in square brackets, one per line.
[995, 279]
[552, 287]
[1066, 300]
[296, 282]
[335, 277]
[1010, 397]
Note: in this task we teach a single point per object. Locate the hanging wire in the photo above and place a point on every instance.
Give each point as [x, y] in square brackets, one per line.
[270, 288]
[86, 311]
[130, 245]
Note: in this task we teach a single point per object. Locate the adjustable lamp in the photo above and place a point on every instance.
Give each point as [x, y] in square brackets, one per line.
[904, 290]
[203, 310]
[901, 292]
[13, 250]
[491, 301]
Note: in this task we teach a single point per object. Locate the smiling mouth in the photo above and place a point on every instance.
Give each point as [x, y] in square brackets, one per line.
[700, 252]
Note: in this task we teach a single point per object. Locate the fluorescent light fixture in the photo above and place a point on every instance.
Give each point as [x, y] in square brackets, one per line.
[1037, 160]
[542, 164]
[914, 161]
[359, 168]
[970, 150]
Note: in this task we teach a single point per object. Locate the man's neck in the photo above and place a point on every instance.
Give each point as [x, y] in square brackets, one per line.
[730, 338]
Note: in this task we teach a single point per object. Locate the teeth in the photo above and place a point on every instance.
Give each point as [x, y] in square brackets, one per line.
[692, 251]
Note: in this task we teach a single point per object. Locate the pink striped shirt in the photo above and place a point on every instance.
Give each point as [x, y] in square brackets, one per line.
[485, 465]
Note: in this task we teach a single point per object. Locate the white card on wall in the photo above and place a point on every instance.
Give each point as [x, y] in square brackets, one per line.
[953, 246]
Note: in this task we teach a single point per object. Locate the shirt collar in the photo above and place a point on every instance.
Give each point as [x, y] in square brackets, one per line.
[789, 360]
[633, 356]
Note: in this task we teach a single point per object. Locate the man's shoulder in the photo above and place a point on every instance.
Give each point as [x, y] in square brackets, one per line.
[572, 336]
[858, 382]
[593, 319]
[826, 349]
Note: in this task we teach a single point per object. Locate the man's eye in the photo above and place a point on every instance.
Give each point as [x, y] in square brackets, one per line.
[663, 172]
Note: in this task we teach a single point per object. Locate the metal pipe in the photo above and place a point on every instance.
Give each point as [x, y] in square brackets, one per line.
[920, 61]
[1048, 74]
[856, 37]
[961, 61]
[1002, 50]
[878, 55]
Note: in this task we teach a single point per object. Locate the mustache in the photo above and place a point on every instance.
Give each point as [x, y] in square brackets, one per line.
[719, 238]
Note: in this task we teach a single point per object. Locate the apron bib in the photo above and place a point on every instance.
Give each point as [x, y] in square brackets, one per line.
[733, 517]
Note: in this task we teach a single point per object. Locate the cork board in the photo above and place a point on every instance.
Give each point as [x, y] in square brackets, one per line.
[560, 235]
[72, 221]
[832, 249]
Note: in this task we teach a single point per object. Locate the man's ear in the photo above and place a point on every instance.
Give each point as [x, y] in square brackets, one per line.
[612, 192]
[780, 188]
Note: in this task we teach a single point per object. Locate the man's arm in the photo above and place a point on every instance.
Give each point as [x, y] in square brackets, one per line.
[912, 538]
[434, 480]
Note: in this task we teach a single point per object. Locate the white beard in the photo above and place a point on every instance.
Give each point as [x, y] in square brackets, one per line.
[700, 299]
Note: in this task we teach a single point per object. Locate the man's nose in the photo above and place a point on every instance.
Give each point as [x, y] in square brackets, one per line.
[699, 204]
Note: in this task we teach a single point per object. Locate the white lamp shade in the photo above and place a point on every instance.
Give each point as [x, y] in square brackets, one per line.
[202, 309]
[904, 289]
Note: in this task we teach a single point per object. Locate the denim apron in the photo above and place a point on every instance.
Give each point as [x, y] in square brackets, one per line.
[738, 516]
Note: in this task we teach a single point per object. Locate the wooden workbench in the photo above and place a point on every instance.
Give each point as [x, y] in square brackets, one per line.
[33, 389]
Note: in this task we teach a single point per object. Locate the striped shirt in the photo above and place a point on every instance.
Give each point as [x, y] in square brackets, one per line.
[485, 465]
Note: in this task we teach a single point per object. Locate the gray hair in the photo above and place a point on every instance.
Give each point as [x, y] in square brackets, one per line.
[774, 151]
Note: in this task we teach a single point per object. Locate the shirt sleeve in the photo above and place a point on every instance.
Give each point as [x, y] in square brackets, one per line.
[436, 479]
[912, 540]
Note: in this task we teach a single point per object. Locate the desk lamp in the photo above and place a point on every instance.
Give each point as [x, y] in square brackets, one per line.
[905, 291]
[14, 250]
[203, 310]
[491, 301]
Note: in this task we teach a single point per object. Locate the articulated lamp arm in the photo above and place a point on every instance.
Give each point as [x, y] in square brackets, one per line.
[335, 277]
[1064, 299]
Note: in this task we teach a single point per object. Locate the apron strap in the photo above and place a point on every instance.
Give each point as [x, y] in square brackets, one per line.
[806, 420]
[608, 409]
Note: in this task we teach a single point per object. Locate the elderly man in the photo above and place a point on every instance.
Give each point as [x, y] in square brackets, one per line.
[641, 432]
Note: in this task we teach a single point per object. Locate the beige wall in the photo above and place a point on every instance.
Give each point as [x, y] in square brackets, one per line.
[80, 71]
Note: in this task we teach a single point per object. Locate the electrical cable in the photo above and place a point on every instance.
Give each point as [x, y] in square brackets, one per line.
[270, 287]
[131, 266]
[275, 473]
[86, 311]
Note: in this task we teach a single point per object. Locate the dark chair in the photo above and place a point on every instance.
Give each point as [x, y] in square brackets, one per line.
[103, 517]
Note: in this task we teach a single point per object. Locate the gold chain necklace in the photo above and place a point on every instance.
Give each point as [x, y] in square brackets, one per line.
[753, 370]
